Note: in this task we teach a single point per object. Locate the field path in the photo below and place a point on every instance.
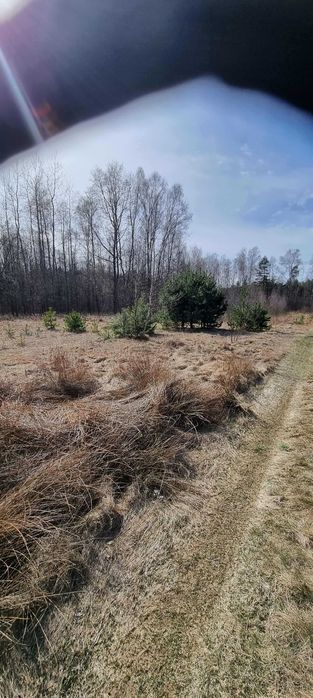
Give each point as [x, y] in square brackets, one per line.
[199, 637]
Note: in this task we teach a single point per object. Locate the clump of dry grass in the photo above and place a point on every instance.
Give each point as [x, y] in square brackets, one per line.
[188, 404]
[29, 436]
[139, 371]
[7, 390]
[53, 503]
[175, 343]
[237, 374]
[64, 471]
[62, 377]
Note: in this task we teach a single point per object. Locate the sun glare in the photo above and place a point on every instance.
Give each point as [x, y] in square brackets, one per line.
[8, 8]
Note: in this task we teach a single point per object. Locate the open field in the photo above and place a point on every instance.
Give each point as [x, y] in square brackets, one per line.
[25, 344]
[155, 513]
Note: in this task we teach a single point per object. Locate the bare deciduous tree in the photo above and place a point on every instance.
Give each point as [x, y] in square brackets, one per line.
[120, 239]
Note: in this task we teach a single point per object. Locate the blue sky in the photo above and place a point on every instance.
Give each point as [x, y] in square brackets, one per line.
[245, 161]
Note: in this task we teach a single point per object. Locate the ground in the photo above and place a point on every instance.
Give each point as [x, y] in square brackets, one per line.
[208, 592]
[25, 344]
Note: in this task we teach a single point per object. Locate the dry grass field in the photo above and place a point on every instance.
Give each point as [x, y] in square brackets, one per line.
[25, 345]
[154, 510]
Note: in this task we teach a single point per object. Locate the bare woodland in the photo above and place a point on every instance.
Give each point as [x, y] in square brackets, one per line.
[122, 238]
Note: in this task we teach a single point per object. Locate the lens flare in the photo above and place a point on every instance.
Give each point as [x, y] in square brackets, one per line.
[8, 8]
[20, 99]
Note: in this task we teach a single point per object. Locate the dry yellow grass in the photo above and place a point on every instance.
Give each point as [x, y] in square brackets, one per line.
[263, 623]
[139, 370]
[237, 374]
[55, 463]
[96, 448]
[63, 377]
[200, 354]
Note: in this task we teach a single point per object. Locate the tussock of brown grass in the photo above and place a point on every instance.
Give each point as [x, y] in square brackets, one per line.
[65, 471]
[52, 504]
[6, 390]
[62, 377]
[188, 404]
[237, 374]
[29, 436]
[140, 371]
[175, 343]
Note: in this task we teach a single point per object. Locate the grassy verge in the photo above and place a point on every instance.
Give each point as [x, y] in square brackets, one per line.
[260, 642]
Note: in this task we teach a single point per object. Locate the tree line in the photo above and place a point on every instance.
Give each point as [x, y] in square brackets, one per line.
[274, 283]
[97, 251]
[121, 239]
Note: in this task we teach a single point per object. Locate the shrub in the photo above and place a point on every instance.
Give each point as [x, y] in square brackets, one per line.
[163, 318]
[28, 332]
[105, 334]
[21, 341]
[74, 322]
[10, 332]
[49, 319]
[135, 322]
[193, 298]
[299, 320]
[95, 327]
[252, 317]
